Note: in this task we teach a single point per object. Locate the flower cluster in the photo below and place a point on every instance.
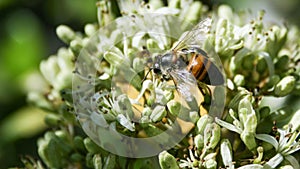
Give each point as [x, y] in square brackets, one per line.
[104, 81]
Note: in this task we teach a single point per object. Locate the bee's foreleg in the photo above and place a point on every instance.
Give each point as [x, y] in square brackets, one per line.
[145, 77]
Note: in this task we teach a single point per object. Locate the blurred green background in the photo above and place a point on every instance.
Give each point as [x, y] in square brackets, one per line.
[27, 35]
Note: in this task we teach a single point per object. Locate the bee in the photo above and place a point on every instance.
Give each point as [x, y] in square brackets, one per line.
[187, 65]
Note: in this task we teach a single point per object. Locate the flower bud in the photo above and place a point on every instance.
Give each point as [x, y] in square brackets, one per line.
[63, 80]
[233, 104]
[233, 67]
[226, 153]
[63, 138]
[295, 121]
[247, 115]
[285, 86]
[194, 12]
[54, 143]
[115, 57]
[280, 34]
[221, 28]
[143, 122]
[91, 146]
[282, 63]
[65, 33]
[167, 161]
[151, 100]
[230, 84]
[261, 65]
[90, 29]
[249, 139]
[169, 95]
[152, 130]
[52, 119]
[212, 135]
[97, 161]
[65, 57]
[160, 96]
[286, 167]
[277, 37]
[39, 100]
[132, 53]
[239, 80]
[156, 4]
[225, 11]
[174, 4]
[46, 149]
[220, 48]
[110, 161]
[199, 141]
[158, 113]
[210, 164]
[175, 108]
[89, 160]
[78, 143]
[146, 111]
[76, 157]
[49, 68]
[76, 46]
[105, 12]
[67, 113]
[273, 80]
[202, 123]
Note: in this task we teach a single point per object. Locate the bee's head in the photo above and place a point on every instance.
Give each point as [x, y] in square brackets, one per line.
[161, 65]
[157, 65]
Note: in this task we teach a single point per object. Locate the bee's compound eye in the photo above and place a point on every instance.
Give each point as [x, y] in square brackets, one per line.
[157, 71]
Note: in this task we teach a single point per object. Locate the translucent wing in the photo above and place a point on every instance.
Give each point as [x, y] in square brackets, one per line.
[186, 83]
[196, 36]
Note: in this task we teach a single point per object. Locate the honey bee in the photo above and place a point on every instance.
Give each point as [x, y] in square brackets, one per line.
[186, 64]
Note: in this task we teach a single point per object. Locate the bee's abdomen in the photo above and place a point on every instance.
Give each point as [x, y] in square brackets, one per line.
[204, 70]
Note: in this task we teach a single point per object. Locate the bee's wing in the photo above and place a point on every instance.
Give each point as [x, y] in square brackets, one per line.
[196, 36]
[186, 83]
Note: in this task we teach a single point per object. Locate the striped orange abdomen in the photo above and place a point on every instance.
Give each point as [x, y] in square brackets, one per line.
[204, 70]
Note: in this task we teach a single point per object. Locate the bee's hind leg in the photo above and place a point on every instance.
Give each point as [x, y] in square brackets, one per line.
[206, 92]
[204, 89]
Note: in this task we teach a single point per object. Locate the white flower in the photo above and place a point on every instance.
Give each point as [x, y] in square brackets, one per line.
[287, 144]
[191, 161]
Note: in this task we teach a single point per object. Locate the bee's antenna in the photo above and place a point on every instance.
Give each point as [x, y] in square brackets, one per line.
[145, 77]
